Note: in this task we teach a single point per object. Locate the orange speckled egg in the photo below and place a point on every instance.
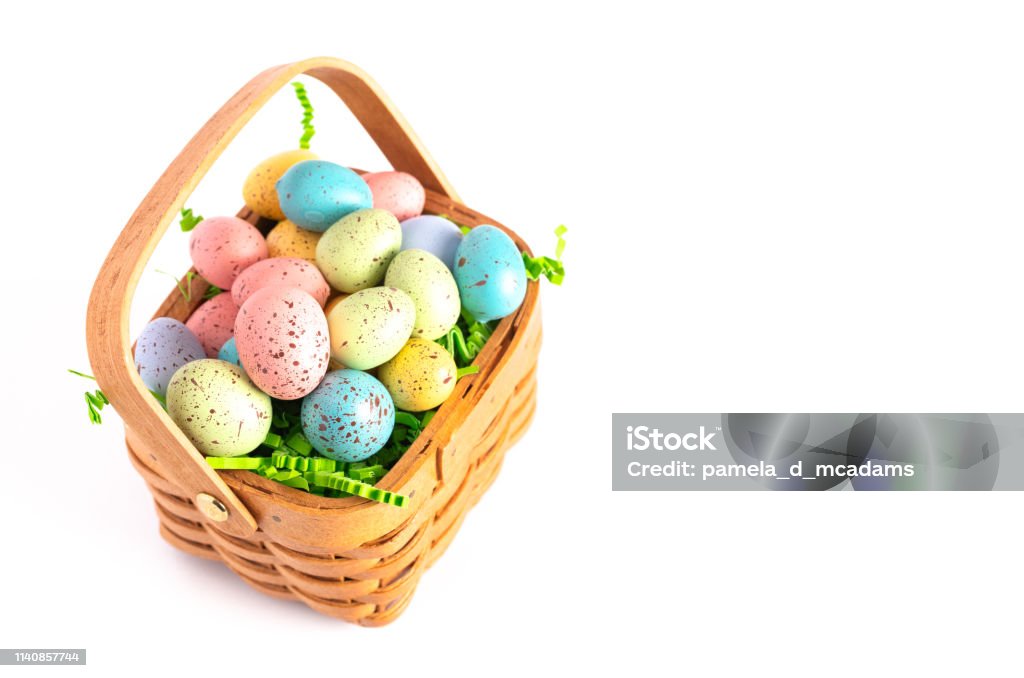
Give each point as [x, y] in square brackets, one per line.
[288, 240]
[223, 247]
[334, 301]
[259, 190]
[282, 340]
[397, 192]
[214, 323]
[284, 272]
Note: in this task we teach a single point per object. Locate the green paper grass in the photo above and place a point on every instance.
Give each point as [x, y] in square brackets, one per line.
[307, 115]
[189, 220]
[550, 268]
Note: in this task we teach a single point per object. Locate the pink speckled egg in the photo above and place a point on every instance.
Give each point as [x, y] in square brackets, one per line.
[284, 272]
[397, 192]
[214, 323]
[223, 247]
[282, 340]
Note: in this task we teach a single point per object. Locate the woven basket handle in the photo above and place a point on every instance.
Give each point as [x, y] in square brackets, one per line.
[110, 302]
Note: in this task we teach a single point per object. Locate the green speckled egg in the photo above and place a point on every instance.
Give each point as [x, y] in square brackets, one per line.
[218, 408]
[370, 326]
[428, 281]
[354, 253]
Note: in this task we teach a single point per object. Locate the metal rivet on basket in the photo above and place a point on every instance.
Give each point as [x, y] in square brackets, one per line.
[212, 507]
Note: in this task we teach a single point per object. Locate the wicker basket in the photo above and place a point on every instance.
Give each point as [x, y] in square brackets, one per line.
[349, 558]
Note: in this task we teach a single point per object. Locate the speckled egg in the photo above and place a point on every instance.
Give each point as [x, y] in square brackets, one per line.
[370, 326]
[214, 322]
[420, 377]
[434, 234]
[260, 188]
[490, 273]
[222, 247]
[355, 252]
[397, 192]
[288, 240]
[218, 408]
[229, 352]
[349, 416]
[281, 272]
[314, 194]
[334, 301]
[282, 339]
[164, 345]
[428, 281]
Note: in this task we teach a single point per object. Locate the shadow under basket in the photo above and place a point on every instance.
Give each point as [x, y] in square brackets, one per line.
[349, 558]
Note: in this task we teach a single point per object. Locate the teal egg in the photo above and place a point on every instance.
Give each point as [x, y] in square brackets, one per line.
[349, 416]
[490, 273]
[314, 194]
[229, 352]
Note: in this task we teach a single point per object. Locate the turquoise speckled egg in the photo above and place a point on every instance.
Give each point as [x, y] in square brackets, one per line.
[314, 194]
[229, 352]
[490, 273]
[349, 416]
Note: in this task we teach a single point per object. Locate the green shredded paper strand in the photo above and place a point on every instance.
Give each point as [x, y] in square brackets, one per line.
[307, 115]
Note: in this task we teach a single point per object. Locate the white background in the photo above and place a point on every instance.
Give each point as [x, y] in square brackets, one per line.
[791, 206]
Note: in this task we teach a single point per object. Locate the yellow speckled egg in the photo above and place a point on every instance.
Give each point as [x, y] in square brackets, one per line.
[370, 326]
[259, 190]
[354, 253]
[218, 408]
[334, 301]
[432, 287]
[288, 240]
[420, 377]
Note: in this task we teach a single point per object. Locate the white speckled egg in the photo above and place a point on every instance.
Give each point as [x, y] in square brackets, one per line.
[282, 341]
[218, 408]
[354, 253]
[432, 287]
[370, 326]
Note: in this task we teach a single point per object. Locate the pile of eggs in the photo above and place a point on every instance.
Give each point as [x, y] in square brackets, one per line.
[339, 306]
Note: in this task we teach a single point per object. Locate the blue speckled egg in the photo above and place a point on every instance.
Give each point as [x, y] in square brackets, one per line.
[314, 194]
[490, 273]
[434, 234]
[349, 416]
[164, 345]
[229, 352]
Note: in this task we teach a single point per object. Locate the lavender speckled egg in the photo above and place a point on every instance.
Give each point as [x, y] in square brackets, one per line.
[434, 234]
[260, 188]
[164, 345]
[229, 352]
[428, 281]
[420, 377]
[222, 247]
[490, 273]
[349, 416]
[282, 339]
[397, 192]
[214, 322]
[370, 326]
[355, 252]
[314, 194]
[218, 408]
[288, 240]
[283, 272]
